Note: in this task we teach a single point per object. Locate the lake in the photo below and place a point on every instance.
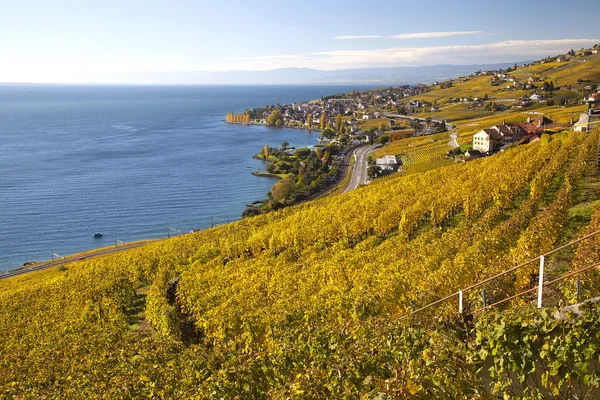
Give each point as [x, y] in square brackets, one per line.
[129, 161]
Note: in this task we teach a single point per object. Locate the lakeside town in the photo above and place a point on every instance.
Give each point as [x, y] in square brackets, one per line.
[521, 104]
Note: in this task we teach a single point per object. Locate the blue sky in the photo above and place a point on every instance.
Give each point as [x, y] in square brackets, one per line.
[93, 41]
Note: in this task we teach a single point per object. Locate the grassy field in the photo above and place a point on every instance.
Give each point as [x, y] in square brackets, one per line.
[373, 123]
[565, 73]
[473, 87]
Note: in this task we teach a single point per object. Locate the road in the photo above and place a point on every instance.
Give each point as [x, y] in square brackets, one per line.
[71, 259]
[344, 166]
[359, 171]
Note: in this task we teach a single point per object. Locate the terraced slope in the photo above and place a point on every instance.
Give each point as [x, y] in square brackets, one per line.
[304, 302]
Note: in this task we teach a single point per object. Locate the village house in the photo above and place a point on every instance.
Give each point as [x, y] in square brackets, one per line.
[592, 98]
[536, 97]
[523, 103]
[367, 116]
[387, 163]
[536, 125]
[414, 104]
[502, 136]
[587, 121]
[493, 139]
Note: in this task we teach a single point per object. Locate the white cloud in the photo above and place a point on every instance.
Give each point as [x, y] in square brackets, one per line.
[99, 68]
[421, 35]
[357, 37]
[429, 35]
[505, 51]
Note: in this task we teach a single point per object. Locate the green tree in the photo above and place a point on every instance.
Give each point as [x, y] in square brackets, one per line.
[373, 171]
[323, 121]
[383, 139]
[284, 190]
[275, 118]
[328, 133]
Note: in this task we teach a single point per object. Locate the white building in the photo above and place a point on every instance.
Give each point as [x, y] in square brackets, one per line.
[493, 139]
[536, 97]
[387, 163]
[586, 122]
[484, 141]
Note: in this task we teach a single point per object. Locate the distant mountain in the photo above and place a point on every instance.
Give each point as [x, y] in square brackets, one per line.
[384, 76]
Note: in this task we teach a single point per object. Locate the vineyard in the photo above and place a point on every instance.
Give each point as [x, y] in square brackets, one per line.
[424, 157]
[305, 302]
[419, 153]
[425, 153]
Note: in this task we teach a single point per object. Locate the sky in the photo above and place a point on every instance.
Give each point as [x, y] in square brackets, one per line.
[98, 41]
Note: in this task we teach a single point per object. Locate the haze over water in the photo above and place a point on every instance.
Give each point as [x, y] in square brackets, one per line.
[128, 161]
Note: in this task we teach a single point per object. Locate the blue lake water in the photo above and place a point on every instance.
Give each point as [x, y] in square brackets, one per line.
[128, 161]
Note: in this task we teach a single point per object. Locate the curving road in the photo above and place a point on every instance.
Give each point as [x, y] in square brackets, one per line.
[359, 170]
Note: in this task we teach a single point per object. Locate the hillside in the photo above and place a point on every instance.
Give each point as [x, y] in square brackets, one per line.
[460, 101]
[577, 73]
[306, 302]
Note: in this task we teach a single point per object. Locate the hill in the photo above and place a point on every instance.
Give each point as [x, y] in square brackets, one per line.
[576, 73]
[462, 102]
[306, 302]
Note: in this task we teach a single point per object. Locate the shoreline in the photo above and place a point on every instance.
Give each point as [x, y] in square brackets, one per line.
[79, 256]
[266, 175]
[274, 127]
